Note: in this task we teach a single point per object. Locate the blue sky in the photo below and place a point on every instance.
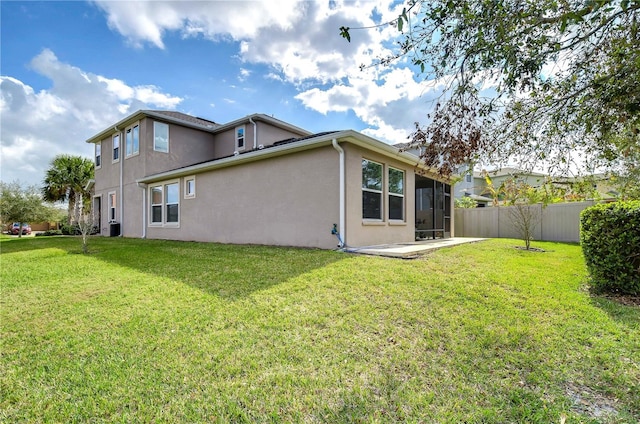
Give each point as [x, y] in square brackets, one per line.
[70, 69]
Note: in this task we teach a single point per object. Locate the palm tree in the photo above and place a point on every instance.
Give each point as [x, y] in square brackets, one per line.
[66, 179]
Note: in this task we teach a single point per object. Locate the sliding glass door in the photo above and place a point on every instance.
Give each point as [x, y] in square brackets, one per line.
[433, 209]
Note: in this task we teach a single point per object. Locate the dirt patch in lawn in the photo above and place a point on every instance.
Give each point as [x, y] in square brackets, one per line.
[623, 299]
[531, 249]
[587, 402]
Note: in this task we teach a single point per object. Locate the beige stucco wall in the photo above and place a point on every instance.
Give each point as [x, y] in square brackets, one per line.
[225, 142]
[107, 179]
[186, 146]
[367, 232]
[286, 200]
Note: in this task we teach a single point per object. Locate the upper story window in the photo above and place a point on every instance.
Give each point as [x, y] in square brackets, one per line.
[132, 140]
[161, 137]
[371, 190]
[468, 178]
[240, 138]
[116, 147]
[98, 154]
[396, 194]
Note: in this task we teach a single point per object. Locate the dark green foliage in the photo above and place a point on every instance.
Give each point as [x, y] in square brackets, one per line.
[75, 230]
[70, 230]
[610, 238]
[21, 204]
[66, 181]
[50, 233]
[578, 63]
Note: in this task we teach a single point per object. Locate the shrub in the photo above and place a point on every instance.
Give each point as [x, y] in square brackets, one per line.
[50, 233]
[70, 230]
[75, 230]
[610, 239]
[465, 202]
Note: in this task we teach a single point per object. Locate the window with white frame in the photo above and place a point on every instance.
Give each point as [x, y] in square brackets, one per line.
[98, 154]
[240, 138]
[165, 204]
[371, 190]
[161, 137]
[396, 194]
[112, 206]
[116, 147]
[189, 187]
[172, 203]
[156, 205]
[132, 140]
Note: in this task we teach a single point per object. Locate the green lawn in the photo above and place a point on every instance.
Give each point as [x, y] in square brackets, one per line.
[158, 331]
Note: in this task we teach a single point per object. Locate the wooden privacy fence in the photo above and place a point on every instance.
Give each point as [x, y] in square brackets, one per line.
[558, 222]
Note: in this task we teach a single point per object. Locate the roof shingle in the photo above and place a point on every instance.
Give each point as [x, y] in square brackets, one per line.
[187, 118]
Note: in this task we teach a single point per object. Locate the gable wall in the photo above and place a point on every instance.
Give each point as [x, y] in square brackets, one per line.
[225, 142]
[186, 146]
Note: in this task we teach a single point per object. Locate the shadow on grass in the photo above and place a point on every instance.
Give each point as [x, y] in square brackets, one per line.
[227, 271]
[621, 309]
[13, 244]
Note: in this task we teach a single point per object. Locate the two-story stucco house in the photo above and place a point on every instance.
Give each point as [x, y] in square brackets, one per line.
[259, 180]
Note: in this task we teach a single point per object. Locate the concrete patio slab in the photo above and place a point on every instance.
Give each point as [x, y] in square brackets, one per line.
[410, 250]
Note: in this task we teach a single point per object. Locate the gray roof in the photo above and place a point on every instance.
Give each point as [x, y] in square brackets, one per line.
[195, 122]
[184, 117]
[292, 145]
[507, 171]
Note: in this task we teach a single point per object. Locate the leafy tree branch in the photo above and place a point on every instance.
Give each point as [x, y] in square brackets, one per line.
[563, 78]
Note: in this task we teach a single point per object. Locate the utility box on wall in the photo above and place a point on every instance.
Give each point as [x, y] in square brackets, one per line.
[114, 229]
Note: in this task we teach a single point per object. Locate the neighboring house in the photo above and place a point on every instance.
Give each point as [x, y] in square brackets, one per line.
[467, 187]
[480, 191]
[259, 180]
[499, 176]
[602, 186]
[464, 187]
[464, 182]
[599, 184]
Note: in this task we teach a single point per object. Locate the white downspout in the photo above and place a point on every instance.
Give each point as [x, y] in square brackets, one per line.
[143, 186]
[121, 159]
[255, 134]
[342, 228]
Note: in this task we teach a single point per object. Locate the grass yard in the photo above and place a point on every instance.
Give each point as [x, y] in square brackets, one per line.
[159, 331]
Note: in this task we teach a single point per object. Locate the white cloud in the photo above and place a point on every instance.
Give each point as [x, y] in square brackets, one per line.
[390, 107]
[244, 74]
[298, 38]
[146, 21]
[150, 94]
[301, 44]
[311, 48]
[36, 126]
